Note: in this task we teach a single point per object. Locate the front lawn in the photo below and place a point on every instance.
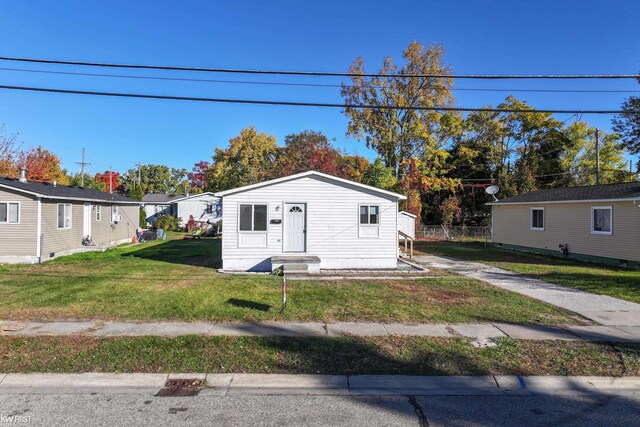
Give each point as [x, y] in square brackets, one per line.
[176, 280]
[600, 279]
[346, 356]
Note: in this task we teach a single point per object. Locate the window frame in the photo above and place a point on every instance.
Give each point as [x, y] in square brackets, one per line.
[98, 213]
[544, 219]
[7, 222]
[253, 218]
[64, 216]
[368, 223]
[592, 226]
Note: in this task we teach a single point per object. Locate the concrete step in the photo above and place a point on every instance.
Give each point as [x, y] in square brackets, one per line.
[297, 268]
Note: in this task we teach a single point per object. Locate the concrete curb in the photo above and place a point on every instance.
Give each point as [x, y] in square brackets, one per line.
[287, 384]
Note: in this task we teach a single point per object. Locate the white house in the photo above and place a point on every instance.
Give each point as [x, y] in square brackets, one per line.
[312, 220]
[203, 207]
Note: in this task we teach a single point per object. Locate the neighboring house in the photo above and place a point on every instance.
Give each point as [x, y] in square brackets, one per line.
[596, 223]
[312, 220]
[203, 207]
[39, 221]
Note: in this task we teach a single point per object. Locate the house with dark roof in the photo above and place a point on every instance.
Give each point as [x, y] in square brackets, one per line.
[40, 221]
[203, 207]
[598, 223]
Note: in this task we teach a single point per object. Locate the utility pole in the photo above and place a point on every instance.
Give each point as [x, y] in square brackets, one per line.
[82, 165]
[597, 159]
[110, 181]
[139, 174]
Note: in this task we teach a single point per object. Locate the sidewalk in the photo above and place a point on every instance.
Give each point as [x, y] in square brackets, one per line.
[286, 384]
[478, 332]
[602, 309]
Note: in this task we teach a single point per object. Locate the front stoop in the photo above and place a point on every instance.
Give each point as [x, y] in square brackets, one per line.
[296, 264]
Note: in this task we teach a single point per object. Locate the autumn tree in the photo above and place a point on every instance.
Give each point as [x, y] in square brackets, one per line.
[9, 154]
[249, 159]
[89, 182]
[198, 175]
[311, 150]
[110, 179]
[403, 132]
[42, 166]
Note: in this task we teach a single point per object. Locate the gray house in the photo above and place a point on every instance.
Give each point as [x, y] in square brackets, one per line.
[40, 221]
[594, 223]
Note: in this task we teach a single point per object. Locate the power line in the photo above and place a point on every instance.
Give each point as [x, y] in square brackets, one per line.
[253, 82]
[318, 73]
[309, 104]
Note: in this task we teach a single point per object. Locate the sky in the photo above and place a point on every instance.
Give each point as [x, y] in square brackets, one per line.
[480, 37]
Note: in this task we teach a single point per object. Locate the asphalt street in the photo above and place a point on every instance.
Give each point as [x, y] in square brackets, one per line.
[304, 410]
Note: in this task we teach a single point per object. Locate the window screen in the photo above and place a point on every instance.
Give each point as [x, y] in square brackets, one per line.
[3, 212]
[246, 212]
[370, 215]
[602, 220]
[260, 218]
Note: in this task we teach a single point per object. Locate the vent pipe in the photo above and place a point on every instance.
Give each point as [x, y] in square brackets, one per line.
[23, 174]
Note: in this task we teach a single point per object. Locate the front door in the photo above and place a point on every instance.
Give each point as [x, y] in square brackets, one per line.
[295, 237]
[86, 223]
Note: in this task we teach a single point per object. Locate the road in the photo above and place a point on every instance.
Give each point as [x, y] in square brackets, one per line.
[303, 410]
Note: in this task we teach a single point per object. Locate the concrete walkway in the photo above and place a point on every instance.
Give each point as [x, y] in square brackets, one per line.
[602, 309]
[479, 332]
[287, 384]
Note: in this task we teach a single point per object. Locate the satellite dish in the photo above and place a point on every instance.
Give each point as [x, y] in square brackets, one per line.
[492, 189]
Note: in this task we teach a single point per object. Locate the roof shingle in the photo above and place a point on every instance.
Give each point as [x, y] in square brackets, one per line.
[625, 190]
[63, 192]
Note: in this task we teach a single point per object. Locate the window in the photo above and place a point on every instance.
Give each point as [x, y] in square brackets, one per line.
[114, 213]
[98, 212]
[253, 217]
[601, 220]
[370, 215]
[537, 219]
[209, 208]
[9, 213]
[64, 215]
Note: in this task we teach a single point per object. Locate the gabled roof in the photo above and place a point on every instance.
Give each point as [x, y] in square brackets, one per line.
[306, 174]
[623, 191]
[49, 191]
[170, 198]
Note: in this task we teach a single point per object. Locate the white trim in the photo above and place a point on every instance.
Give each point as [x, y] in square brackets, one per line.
[98, 212]
[11, 202]
[369, 225]
[407, 214]
[82, 199]
[39, 229]
[544, 219]
[607, 233]
[631, 199]
[64, 216]
[305, 174]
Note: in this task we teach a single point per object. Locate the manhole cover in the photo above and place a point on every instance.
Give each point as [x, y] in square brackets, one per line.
[181, 387]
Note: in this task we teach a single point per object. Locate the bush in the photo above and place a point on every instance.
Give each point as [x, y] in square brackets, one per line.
[166, 222]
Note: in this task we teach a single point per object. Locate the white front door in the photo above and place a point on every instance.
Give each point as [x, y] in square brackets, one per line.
[86, 223]
[295, 234]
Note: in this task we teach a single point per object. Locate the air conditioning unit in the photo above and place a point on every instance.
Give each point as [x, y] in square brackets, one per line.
[117, 218]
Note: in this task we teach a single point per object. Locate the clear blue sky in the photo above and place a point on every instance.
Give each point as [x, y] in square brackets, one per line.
[497, 37]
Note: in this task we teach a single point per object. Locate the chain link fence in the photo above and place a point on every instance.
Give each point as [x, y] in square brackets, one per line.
[462, 232]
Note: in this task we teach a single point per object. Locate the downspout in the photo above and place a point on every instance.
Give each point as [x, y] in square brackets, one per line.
[39, 231]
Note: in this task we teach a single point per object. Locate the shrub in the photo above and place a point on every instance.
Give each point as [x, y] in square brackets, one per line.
[166, 222]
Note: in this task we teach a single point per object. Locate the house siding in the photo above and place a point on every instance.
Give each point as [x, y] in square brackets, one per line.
[570, 223]
[332, 211]
[196, 206]
[19, 240]
[57, 240]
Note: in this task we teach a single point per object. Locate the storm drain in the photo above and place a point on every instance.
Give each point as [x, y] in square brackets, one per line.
[181, 387]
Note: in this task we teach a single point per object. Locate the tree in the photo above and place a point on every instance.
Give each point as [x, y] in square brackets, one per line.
[311, 150]
[627, 124]
[9, 154]
[378, 175]
[156, 179]
[89, 182]
[248, 159]
[578, 158]
[198, 175]
[43, 166]
[450, 211]
[110, 179]
[399, 135]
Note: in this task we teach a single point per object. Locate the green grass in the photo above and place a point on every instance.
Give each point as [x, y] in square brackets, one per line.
[600, 279]
[176, 280]
[347, 356]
